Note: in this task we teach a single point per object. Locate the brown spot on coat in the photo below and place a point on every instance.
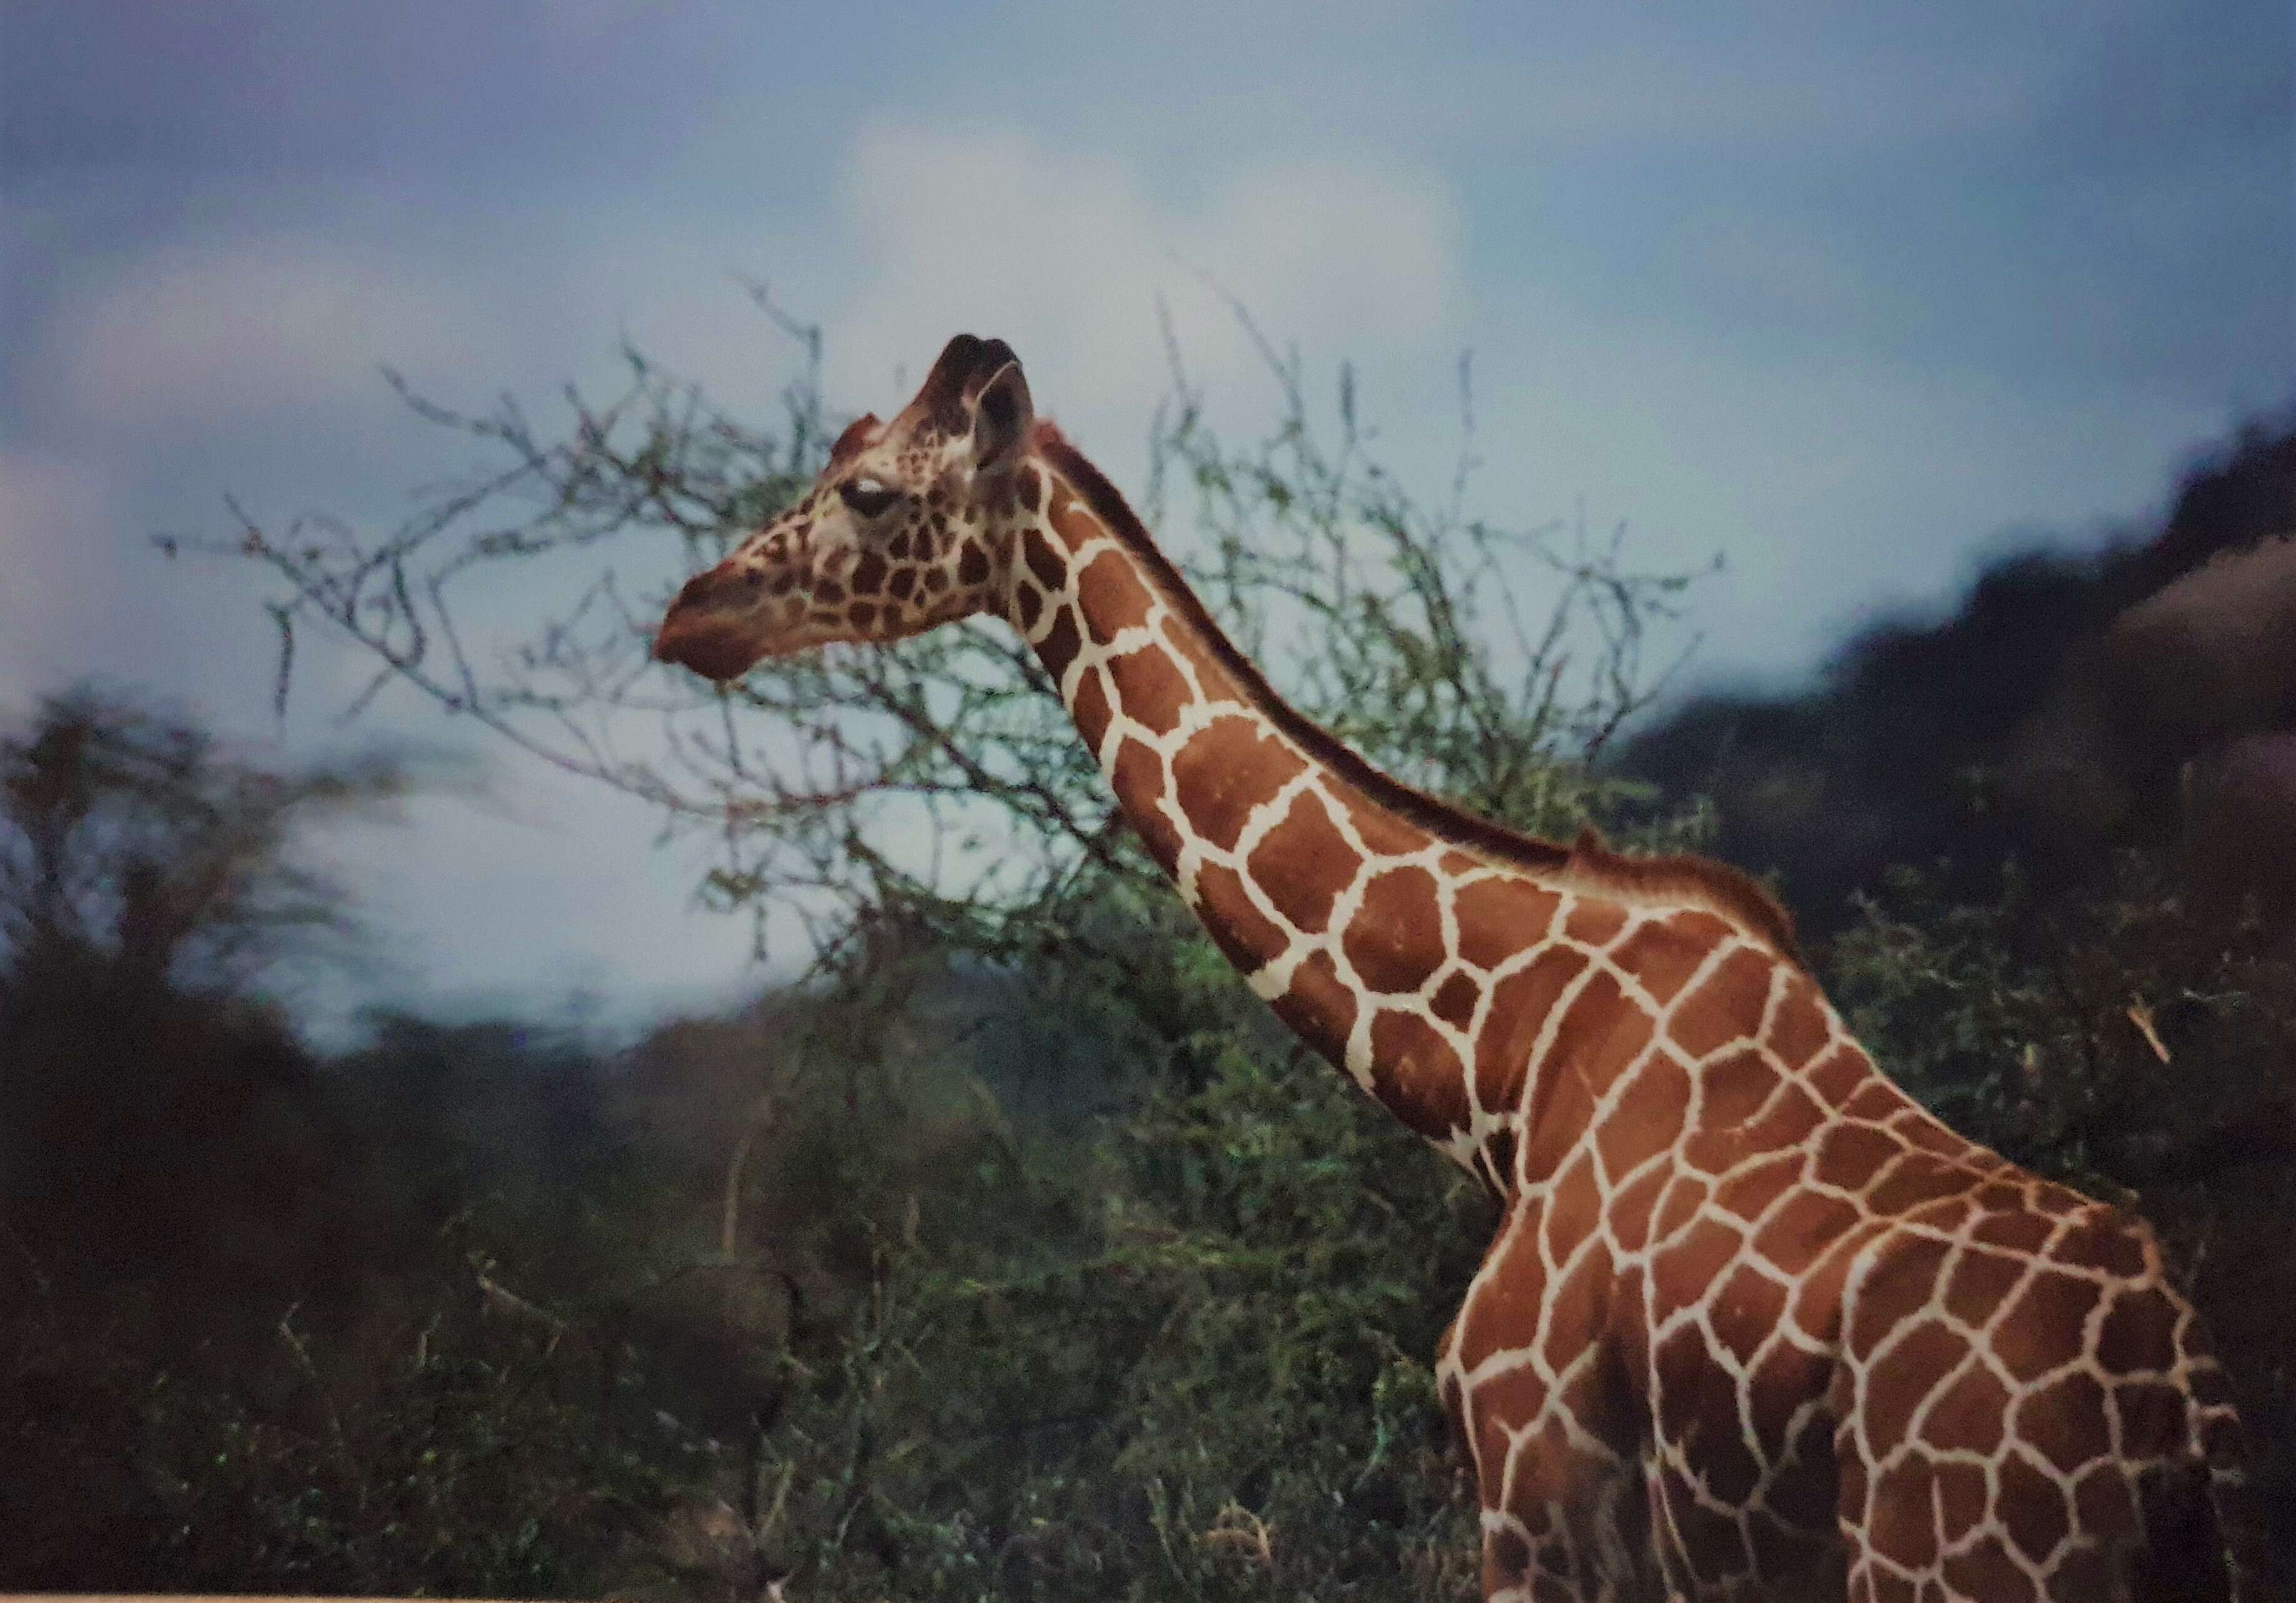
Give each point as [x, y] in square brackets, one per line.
[1902, 1282]
[1727, 1005]
[1594, 921]
[1138, 778]
[1602, 1034]
[1455, 1001]
[2103, 1500]
[1748, 1191]
[1664, 954]
[1243, 932]
[1978, 1283]
[1735, 1086]
[1304, 863]
[2153, 1415]
[1962, 1494]
[971, 564]
[2109, 1241]
[1416, 1074]
[1985, 1570]
[1849, 1156]
[1060, 644]
[1630, 1209]
[1686, 1195]
[1903, 1529]
[1149, 689]
[1395, 941]
[1499, 916]
[2016, 1230]
[1506, 1300]
[1839, 1074]
[1968, 1417]
[1226, 769]
[1581, 1309]
[1915, 1179]
[1574, 1208]
[1803, 1227]
[1648, 1119]
[1926, 1133]
[1790, 1118]
[1519, 1005]
[1110, 592]
[1048, 566]
[2139, 1332]
[1319, 1008]
[1090, 711]
[2034, 1508]
[1919, 1362]
[2043, 1330]
[1799, 1030]
[1382, 832]
[1746, 1312]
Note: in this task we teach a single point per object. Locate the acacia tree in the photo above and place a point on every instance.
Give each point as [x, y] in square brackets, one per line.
[134, 842]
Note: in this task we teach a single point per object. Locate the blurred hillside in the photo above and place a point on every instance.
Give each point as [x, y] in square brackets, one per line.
[2142, 697]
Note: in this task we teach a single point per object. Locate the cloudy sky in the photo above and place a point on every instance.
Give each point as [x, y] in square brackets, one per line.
[1854, 294]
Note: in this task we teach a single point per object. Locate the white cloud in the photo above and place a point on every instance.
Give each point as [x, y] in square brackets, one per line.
[60, 578]
[194, 336]
[1066, 256]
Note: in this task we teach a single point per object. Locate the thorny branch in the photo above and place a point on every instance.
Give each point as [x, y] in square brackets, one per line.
[937, 777]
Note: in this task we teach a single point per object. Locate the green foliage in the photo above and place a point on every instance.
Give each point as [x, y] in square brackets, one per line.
[2135, 1043]
[133, 843]
[1205, 1373]
[455, 1460]
[2125, 1039]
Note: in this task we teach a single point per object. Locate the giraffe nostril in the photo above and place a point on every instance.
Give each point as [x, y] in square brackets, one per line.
[716, 587]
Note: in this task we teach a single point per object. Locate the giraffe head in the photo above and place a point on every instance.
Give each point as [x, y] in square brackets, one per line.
[908, 526]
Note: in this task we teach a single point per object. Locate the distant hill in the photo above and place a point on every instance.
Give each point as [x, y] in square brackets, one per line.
[2075, 703]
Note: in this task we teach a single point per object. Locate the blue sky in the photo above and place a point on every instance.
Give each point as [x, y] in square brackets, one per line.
[1854, 294]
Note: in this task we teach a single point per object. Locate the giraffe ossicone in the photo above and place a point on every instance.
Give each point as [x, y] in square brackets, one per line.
[1753, 1324]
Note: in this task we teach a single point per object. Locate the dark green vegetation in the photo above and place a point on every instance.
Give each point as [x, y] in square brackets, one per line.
[1011, 1251]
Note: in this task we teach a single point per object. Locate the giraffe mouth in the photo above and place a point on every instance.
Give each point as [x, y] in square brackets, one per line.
[711, 647]
[709, 630]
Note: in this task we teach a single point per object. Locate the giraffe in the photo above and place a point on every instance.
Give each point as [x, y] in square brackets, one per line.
[1752, 1324]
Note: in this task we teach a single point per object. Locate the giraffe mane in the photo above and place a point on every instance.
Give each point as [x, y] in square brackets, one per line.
[1720, 888]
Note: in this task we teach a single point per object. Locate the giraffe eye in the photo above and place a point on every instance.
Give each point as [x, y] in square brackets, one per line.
[868, 497]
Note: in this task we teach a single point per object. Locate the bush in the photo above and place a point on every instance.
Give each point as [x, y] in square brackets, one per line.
[2136, 1044]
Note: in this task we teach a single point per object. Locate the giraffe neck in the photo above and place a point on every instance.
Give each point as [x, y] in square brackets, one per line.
[1381, 926]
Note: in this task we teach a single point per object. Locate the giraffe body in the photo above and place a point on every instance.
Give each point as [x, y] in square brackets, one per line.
[1753, 1324]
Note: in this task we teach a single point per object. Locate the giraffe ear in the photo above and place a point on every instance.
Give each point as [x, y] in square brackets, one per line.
[856, 435]
[1000, 416]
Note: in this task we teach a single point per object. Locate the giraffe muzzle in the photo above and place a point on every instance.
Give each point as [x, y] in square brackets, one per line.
[712, 628]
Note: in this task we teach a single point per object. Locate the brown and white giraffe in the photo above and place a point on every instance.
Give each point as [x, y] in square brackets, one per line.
[1753, 1324]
